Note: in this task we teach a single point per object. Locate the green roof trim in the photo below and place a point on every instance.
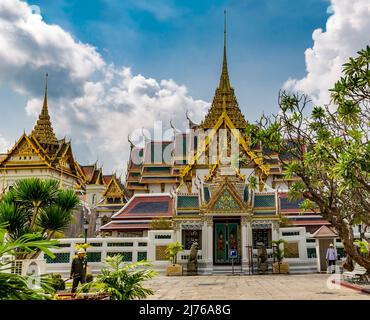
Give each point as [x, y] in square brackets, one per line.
[246, 194]
[264, 213]
[187, 202]
[187, 213]
[207, 195]
[264, 201]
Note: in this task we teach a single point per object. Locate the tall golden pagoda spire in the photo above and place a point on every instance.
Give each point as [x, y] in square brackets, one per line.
[224, 99]
[43, 130]
[224, 80]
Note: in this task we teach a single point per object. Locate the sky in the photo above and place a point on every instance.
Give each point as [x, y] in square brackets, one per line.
[116, 67]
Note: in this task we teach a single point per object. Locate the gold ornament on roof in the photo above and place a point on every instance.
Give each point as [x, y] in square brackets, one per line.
[43, 130]
[224, 99]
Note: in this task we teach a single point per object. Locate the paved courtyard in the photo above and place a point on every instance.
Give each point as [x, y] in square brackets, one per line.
[257, 287]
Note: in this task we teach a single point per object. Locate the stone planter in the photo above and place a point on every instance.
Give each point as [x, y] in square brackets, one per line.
[284, 267]
[174, 270]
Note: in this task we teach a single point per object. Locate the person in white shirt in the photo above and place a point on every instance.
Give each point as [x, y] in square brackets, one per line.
[331, 258]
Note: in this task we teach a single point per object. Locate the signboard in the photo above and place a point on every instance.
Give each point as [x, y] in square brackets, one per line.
[233, 254]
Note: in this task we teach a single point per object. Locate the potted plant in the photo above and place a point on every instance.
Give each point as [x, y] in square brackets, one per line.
[279, 254]
[172, 250]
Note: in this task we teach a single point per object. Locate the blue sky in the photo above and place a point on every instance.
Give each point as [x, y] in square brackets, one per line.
[182, 40]
[164, 39]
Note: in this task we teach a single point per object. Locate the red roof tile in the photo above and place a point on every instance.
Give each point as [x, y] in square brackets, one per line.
[122, 226]
[146, 206]
[325, 232]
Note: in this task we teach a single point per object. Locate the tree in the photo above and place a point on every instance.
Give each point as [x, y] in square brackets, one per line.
[14, 286]
[37, 206]
[329, 151]
[172, 250]
[122, 283]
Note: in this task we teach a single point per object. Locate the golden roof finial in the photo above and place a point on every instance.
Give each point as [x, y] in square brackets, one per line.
[224, 80]
[43, 131]
[224, 99]
[45, 104]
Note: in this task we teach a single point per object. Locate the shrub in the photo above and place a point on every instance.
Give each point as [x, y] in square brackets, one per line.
[57, 282]
[89, 278]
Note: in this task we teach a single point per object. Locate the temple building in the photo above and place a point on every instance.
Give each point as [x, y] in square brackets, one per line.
[217, 189]
[40, 154]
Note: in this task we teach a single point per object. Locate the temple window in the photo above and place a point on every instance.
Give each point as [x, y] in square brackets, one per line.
[262, 235]
[191, 236]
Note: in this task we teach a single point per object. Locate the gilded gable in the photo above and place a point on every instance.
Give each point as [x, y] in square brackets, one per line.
[226, 202]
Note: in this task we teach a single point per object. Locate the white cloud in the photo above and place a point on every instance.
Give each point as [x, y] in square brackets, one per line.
[4, 144]
[96, 103]
[347, 31]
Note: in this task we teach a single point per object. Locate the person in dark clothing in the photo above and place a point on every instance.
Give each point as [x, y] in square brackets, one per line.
[78, 269]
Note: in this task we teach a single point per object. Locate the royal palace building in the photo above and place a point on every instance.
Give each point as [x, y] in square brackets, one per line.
[40, 154]
[208, 185]
[198, 182]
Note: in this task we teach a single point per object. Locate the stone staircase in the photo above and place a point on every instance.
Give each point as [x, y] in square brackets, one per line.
[295, 268]
[227, 270]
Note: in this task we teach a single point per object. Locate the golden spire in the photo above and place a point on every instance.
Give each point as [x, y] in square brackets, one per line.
[43, 131]
[224, 99]
[224, 80]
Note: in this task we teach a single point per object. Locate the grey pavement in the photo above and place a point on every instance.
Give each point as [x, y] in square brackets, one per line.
[256, 287]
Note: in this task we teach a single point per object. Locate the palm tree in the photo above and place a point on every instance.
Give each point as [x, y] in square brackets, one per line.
[122, 283]
[37, 206]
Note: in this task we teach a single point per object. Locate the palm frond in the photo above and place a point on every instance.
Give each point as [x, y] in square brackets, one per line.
[54, 218]
[67, 199]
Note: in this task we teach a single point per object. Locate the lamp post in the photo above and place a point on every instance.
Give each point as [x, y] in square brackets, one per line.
[86, 227]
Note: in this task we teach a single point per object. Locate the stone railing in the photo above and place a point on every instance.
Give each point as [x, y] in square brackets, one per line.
[133, 249]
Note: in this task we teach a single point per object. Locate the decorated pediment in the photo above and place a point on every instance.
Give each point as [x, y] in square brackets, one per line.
[113, 190]
[23, 151]
[64, 158]
[226, 201]
[225, 198]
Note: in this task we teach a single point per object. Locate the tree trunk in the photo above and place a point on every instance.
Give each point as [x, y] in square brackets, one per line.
[346, 234]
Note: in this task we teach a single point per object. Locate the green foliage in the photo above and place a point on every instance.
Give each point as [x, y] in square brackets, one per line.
[172, 250]
[252, 183]
[325, 153]
[363, 246]
[82, 246]
[89, 278]
[279, 253]
[57, 282]
[122, 283]
[37, 206]
[17, 287]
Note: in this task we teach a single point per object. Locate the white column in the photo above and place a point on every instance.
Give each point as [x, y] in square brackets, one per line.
[317, 243]
[275, 232]
[249, 234]
[209, 236]
[244, 243]
[204, 242]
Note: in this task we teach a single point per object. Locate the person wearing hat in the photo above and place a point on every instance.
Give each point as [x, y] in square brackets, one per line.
[331, 258]
[78, 269]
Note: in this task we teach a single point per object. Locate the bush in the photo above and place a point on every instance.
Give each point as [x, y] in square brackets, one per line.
[89, 278]
[57, 282]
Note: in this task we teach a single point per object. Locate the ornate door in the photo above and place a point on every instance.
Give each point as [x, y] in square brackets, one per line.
[226, 238]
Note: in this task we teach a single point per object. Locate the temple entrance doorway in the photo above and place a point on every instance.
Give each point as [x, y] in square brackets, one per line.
[226, 237]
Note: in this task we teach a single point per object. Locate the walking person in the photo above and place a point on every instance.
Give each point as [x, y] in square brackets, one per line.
[78, 269]
[331, 258]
